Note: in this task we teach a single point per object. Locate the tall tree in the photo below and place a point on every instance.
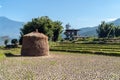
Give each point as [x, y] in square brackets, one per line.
[117, 31]
[6, 42]
[57, 30]
[44, 25]
[106, 30]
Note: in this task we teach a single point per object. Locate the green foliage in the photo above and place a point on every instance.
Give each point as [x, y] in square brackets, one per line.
[14, 41]
[108, 30]
[14, 51]
[45, 25]
[20, 40]
[57, 30]
[117, 31]
[6, 42]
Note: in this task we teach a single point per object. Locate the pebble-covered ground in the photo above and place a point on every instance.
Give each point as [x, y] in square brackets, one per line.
[61, 66]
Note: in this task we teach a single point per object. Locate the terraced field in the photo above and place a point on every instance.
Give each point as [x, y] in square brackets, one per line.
[101, 49]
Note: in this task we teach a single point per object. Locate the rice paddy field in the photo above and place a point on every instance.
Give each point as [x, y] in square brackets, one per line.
[100, 49]
[67, 61]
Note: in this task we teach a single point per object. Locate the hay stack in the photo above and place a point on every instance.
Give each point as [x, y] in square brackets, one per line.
[35, 44]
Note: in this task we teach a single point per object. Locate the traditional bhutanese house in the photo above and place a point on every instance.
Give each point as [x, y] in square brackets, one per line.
[72, 33]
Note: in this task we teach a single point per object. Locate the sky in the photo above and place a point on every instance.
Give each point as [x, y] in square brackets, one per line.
[78, 13]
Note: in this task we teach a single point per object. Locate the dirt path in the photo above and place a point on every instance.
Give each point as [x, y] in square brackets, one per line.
[61, 66]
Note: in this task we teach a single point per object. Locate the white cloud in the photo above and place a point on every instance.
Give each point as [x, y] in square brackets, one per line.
[111, 19]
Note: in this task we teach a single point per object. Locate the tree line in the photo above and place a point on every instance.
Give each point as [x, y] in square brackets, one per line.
[14, 43]
[108, 30]
[53, 29]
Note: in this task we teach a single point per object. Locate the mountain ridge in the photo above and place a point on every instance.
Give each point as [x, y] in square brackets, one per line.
[10, 27]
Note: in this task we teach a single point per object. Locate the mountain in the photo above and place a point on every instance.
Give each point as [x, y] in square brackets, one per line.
[10, 27]
[91, 31]
[88, 31]
[116, 22]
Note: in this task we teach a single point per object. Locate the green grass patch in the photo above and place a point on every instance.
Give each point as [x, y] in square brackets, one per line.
[100, 49]
[9, 52]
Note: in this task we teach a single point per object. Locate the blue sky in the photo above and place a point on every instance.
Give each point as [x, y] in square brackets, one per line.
[79, 13]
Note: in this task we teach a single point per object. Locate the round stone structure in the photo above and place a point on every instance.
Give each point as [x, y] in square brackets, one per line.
[35, 44]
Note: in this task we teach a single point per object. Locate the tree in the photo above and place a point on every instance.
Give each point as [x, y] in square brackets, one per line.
[106, 30]
[14, 42]
[6, 42]
[45, 25]
[57, 30]
[117, 31]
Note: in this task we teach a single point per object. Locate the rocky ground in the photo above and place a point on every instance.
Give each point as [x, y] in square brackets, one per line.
[61, 66]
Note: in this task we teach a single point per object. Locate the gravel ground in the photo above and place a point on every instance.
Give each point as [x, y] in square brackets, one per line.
[61, 66]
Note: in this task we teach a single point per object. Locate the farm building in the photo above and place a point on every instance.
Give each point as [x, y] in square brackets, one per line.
[72, 33]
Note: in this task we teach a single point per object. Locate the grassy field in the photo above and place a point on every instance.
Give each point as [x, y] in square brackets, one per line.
[101, 49]
[5, 52]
